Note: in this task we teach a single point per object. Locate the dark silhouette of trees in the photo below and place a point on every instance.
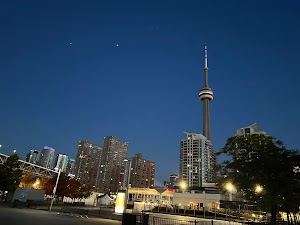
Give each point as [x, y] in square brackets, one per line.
[10, 174]
[67, 187]
[262, 160]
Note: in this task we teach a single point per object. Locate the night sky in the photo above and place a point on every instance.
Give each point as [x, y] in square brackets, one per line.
[74, 70]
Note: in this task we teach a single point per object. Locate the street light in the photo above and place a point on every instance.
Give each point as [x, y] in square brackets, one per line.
[258, 189]
[295, 170]
[230, 188]
[127, 180]
[183, 185]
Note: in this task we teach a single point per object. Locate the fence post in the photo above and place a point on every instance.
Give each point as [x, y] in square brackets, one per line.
[212, 222]
[195, 222]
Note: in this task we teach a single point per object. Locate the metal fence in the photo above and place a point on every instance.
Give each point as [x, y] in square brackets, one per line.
[167, 221]
[154, 220]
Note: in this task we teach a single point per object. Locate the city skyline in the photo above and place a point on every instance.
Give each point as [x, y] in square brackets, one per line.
[83, 71]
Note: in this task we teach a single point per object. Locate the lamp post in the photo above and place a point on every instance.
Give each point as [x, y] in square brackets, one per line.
[258, 189]
[183, 186]
[295, 170]
[230, 188]
[54, 189]
[127, 180]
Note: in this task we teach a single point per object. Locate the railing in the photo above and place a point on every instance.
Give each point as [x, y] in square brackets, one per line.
[166, 221]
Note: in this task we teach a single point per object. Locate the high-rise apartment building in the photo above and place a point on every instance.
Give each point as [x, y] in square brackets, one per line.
[196, 153]
[61, 162]
[111, 171]
[71, 168]
[33, 156]
[249, 130]
[174, 178]
[46, 157]
[142, 172]
[87, 162]
[196, 166]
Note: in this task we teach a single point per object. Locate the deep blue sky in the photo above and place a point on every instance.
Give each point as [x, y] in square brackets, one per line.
[73, 70]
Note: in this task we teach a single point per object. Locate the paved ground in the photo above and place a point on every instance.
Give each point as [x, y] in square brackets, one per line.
[26, 216]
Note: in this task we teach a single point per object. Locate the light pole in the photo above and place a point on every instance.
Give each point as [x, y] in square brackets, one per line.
[230, 188]
[127, 180]
[183, 186]
[54, 189]
[258, 189]
[295, 170]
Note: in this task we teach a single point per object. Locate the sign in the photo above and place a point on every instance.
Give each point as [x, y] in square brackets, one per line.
[23, 195]
[120, 201]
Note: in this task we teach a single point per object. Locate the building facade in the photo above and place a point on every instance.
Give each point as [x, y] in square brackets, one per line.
[87, 162]
[142, 172]
[111, 170]
[61, 162]
[174, 179]
[249, 130]
[33, 156]
[71, 167]
[46, 157]
[196, 164]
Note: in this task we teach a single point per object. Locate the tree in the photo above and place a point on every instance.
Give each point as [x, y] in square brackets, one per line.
[10, 174]
[67, 187]
[27, 180]
[43, 183]
[83, 191]
[264, 162]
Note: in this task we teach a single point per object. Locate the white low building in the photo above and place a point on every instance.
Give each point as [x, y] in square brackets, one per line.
[196, 200]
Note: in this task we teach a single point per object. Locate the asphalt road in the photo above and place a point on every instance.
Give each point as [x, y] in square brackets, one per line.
[26, 216]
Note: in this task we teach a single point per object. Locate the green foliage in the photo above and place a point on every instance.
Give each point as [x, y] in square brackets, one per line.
[262, 160]
[10, 174]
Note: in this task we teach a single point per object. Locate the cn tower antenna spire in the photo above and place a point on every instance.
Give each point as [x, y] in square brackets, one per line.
[205, 57]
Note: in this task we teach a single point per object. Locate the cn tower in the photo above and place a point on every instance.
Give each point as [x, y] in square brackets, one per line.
[206, 95]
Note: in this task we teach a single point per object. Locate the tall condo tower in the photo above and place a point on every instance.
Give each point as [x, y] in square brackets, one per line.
[196, 160]
[61, 162]
[33, 156]
[87, 162]
[142, 172]
[46, 157]
[206, 95]
[252, 129]
[111, 171]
